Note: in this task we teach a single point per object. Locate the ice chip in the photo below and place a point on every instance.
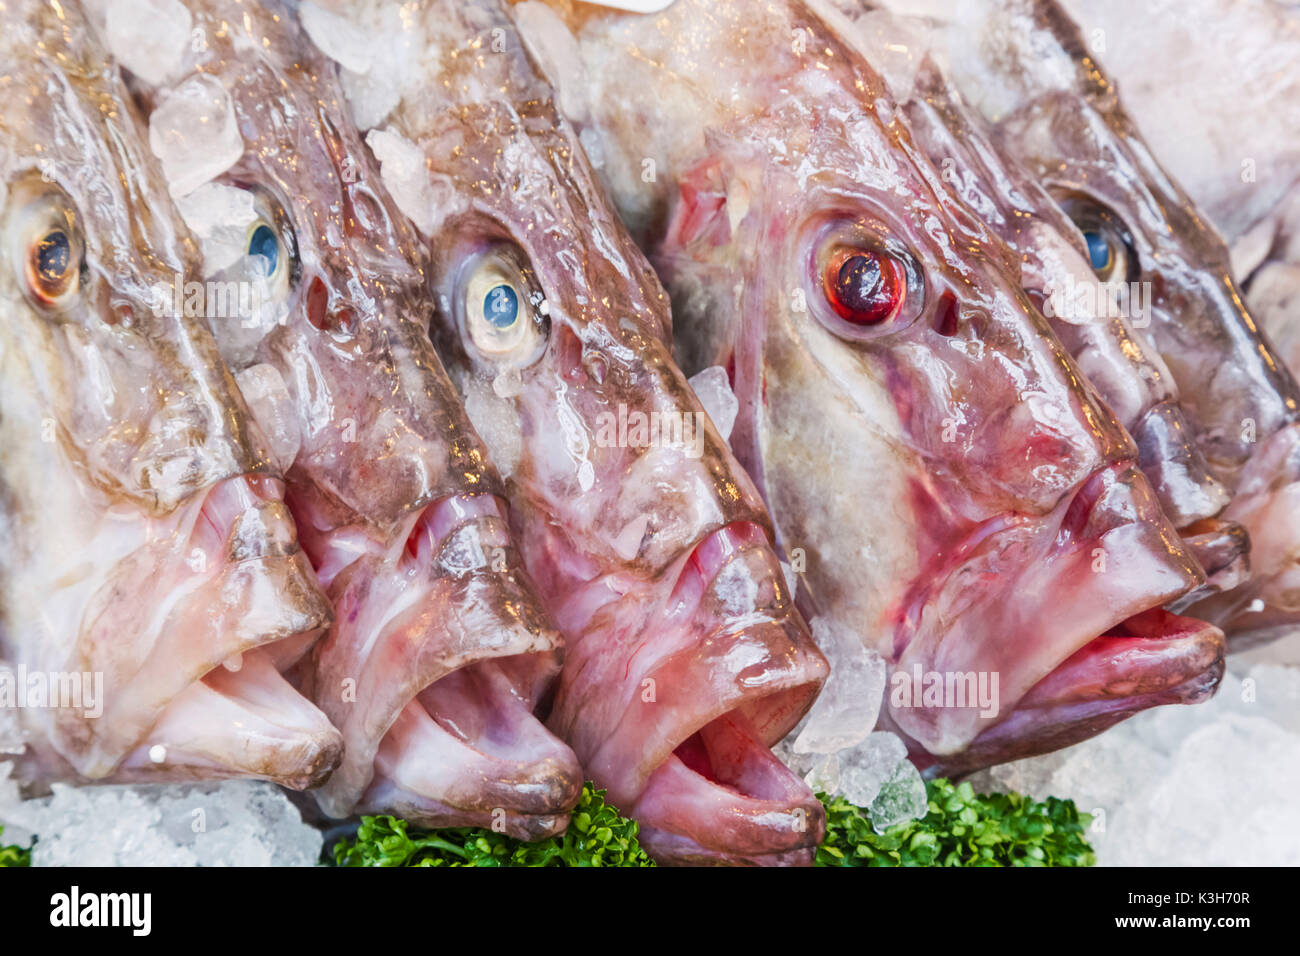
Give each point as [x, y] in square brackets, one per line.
[713, 389]
[148, 37]
[193, 131]
[824, 777]
[865, 768]
[1206, 785]
[901, 797]
[338, 37]
[403, 170]
[849, 704]
[220, 217]
[273, 409]
[372, 96]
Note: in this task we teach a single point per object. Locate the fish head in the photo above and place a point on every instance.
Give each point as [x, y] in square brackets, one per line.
[1101, 325]
[397, 504]
[685, 658]
[1147, 237]
[960, 498]
[149, 537]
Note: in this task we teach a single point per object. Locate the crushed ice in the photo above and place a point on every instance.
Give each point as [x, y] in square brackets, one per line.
[1209, 784]
[233, 823]
[195, 134]
[148, 37]
[713, 388]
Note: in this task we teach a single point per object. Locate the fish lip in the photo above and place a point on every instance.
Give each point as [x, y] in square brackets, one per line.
[1062, 710]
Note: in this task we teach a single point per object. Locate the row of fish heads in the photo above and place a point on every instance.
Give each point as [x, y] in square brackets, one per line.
[368, 463]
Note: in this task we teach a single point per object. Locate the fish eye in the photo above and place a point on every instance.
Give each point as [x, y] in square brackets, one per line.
[46, 248]
[864, 286]
[1108, 243]
[262, 241]
[500, 308]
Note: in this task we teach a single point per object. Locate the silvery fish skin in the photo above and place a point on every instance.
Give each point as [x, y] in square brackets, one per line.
[1098, 323]
[965, 503]
[440, 647]
[147, 544]
[1024, 65]
[1231, 145]
[685, 658]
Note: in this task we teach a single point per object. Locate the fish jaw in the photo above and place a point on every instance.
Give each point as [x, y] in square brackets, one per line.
[1103, 556]
[169, 625]
[467, 751]
[723, 797]
[441, 617]
[248, 722]
[1152, 659]
[677, 724]
[1267, 505]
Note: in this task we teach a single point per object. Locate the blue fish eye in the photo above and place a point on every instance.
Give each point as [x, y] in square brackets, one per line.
[263, 242]
[1098, 250]
[53, 255]
[501, 306]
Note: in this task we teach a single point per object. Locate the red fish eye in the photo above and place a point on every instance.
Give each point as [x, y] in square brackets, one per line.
[864, 287]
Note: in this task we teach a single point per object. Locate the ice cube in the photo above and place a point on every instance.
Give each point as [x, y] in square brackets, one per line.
[341, 39]
[193, 131]
[847, 708]
[268, 399]
[148, 37]
[403, 170]
[372, 96]
[901, 797]
[865, 768]
[220, 216]
[824, 777]
[555, 50]
[713, 388]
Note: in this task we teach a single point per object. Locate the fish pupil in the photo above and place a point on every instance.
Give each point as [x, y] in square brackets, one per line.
[866, 289]
[53, 255]
[1098, 250]
[263, 243]
[501, 306]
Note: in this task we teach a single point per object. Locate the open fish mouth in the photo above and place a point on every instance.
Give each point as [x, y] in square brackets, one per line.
[1150, 659]
[1058, 618]
[725, 674]
[241, 606]
[241, 722]
[432, 671]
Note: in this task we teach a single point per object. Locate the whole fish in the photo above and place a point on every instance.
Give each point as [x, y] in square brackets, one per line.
[1024, 65]
[153, 588]
[965, 504]
[440, 647]
[685, 658]
[1099, 323]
